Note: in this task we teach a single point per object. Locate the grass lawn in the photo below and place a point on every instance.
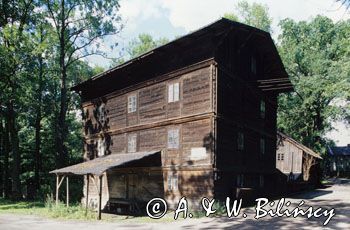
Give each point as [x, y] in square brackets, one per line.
[74, 212]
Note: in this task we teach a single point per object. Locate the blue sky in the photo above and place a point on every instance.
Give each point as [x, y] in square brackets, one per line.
[171, 18]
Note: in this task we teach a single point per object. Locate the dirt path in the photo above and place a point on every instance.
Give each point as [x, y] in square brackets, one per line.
[337, 197]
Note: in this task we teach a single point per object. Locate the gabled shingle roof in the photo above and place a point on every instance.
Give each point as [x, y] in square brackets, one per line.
[339, 150]
[99, 165]
[192, 48]
[299, 145]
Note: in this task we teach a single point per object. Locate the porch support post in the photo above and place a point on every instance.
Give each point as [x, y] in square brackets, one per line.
[99, 197]
[87, 193]
[57, 187]
[67, 180]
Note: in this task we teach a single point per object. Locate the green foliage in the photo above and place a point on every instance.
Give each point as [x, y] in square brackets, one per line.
[140, 45]
[254, 14]
[317, 57]
[30, 80]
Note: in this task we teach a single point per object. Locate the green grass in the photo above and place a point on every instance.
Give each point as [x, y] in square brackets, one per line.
[49, 209]
[46, 209]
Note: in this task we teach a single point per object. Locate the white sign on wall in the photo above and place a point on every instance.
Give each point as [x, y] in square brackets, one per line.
[198, 153]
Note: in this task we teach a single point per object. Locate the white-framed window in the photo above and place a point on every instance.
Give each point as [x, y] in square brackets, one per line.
[174, 92]
[240, 141]
[253, 64]
[132, 103]
[240, 180]
[261, 180]
[101, 147]
[262, 109]
[172, 182]
[280, 156]
[173, 138]
[262, 145]
[132, 143]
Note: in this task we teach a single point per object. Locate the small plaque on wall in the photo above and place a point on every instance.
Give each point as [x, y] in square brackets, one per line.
[198, 153]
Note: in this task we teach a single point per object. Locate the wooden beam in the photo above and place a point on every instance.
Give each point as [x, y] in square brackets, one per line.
[171, 121]
[57, 179]
[87, 194]
[158, 79]
[99, 198]
[94, 181]
[58, 185]
[67, 180]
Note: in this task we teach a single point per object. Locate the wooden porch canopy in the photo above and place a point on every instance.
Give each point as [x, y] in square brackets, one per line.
[277, 84]
[97, 166]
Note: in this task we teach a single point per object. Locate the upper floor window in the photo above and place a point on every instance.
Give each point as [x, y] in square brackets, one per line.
[132, 143]
[262, 145]
[172, 183]
[174, 92]
[262, 109]
[173, 138]
[132, 103]
[240, 141]
[101, 113]
[261, 181]
[253, 64]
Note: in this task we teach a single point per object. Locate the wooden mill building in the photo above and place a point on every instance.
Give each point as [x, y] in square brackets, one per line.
[195, 117]
[297, 161]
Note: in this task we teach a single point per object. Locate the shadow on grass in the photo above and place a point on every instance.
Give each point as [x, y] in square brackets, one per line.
[8, 204]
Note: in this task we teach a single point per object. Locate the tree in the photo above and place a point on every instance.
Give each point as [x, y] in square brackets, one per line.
[316, 56]
[254, 14]
[80, 25]
[140, 45]
[13, 49]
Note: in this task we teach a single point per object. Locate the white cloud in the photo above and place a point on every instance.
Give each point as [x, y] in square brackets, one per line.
[340, 134]
[133, 11]
[194, 14]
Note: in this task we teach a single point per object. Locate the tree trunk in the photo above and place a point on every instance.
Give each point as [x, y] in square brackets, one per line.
[37, 155]
[1, 156]
[6, 150]
[16, 169]
[308, 162]
[61, 123]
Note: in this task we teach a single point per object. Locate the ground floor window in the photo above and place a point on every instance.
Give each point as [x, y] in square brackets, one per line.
[261, 181]
[240, 180]
[132, 143]
[172, 182]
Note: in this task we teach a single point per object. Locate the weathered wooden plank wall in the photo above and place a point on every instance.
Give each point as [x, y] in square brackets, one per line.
[292, 158]
[239, 112]
[154, 116]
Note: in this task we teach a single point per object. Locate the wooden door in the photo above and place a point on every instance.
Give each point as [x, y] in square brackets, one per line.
[132, 186]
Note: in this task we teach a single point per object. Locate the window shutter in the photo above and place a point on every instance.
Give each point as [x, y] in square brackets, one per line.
[176, 91]
[171, 93]
[262, 109]
[132, 139]
[240, 141]
[101, 147]
[262, 145]
[173, 139]
[253, 65]
[132, 103]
